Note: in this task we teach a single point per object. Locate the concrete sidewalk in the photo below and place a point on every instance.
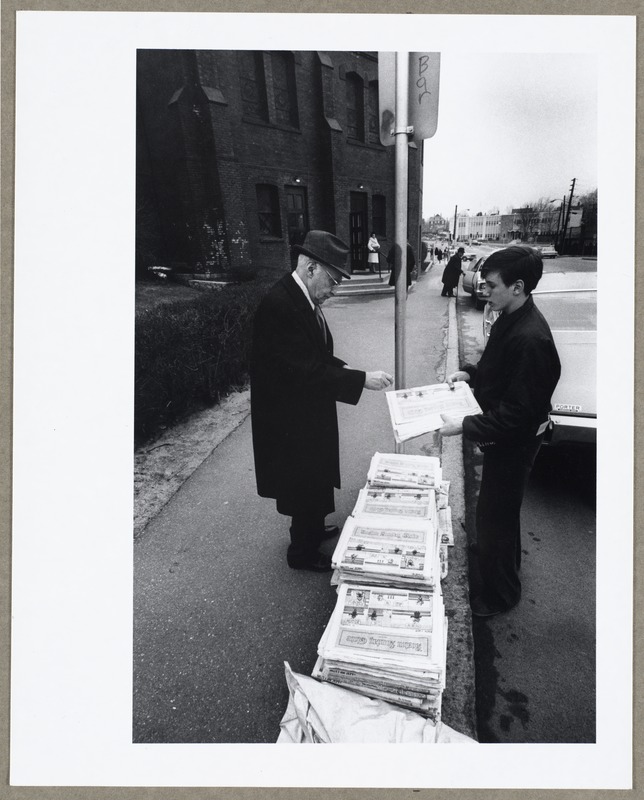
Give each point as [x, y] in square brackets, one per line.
[217, 610]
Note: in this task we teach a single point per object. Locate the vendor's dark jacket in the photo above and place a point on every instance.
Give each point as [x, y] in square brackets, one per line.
[295, 383]
[514, 379]
[452, 272]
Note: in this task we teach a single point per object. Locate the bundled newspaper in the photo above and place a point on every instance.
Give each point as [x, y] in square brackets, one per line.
[387, 643]
[390, 551]
[397, 529]
[395, 502]
[405, 471]
[417, 411]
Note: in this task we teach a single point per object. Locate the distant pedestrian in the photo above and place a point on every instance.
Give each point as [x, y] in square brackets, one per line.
[295, 383]
[424, 255]
[439, 254]
[452, 273]
[513, 383]
[373, 247]
[411, 264]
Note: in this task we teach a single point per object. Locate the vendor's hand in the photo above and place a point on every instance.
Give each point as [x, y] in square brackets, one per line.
[453, 426]
[376, 381]
[459, 375]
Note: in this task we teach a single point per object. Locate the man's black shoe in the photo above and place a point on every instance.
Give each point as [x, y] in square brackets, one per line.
[330, 532]
[319, 562]
[481, 609]
[473, 548]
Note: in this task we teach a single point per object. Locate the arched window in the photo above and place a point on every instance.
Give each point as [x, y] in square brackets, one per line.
[374, 115]
[355, 106]
[253, 84]
[283, 68]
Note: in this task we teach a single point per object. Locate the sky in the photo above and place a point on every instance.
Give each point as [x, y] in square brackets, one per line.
[512, 128]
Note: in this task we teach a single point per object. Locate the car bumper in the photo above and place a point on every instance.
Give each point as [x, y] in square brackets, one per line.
[566, 428]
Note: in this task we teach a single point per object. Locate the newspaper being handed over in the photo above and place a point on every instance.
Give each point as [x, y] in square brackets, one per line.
[417, 411]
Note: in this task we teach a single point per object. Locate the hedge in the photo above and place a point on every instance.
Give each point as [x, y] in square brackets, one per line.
[189, 354]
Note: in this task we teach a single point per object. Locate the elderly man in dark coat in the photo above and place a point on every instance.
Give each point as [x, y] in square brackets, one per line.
[295, 383]
[452, 273]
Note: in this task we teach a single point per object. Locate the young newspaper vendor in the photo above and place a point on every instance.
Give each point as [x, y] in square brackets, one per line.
[513, 383]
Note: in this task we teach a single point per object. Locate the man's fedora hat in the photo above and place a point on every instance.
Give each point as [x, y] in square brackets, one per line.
[327, 249]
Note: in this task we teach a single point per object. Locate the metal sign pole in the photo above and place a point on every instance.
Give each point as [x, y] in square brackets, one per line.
[401, 153]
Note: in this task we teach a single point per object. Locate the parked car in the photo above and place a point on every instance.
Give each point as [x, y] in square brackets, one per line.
[568, 300]
[548, 251]
[473, 283]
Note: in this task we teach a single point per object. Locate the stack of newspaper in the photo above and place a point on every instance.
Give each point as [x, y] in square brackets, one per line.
[417, 411]
[399, 529]
[387, 637]
[405, 471]
[387, 643]
[388, 552]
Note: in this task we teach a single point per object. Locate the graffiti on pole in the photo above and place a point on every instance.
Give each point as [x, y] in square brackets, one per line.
[424, 79]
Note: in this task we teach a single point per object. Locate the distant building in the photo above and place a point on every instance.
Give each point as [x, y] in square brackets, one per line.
[240, 153]
[480, 227]
[540, 225]
[527, 224]
[436, 225]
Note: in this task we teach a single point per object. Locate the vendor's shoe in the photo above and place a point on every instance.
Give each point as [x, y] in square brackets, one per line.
[330, 532]
[481, 609]
[318, 562]
[473, 548]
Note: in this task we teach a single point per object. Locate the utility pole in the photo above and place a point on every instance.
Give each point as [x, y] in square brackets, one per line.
[401, 134]
[455, 212]
[408, 85]
[560, 217]
[565, 227]
[401, 146]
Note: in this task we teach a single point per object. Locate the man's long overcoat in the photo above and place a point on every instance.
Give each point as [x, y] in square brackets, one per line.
[452, 272]
[295, 383]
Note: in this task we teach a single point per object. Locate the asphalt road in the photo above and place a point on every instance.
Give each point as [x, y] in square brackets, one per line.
[535, 666]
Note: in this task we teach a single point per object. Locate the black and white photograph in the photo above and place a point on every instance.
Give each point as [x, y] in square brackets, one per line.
[336, 444]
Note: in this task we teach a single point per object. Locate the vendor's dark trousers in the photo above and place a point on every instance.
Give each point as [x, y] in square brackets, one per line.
[498, 521]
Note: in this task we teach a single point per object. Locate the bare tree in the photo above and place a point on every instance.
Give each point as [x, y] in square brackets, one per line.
[524, 219]
[537, 218]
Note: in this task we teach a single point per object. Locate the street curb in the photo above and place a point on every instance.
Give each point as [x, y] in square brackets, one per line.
[461, 670]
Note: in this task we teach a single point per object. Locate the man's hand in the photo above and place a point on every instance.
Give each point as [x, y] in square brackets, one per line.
[376, 381]
[459, 375]
[452, 425]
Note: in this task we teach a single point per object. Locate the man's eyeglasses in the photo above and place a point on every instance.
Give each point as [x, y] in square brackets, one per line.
[333, 280]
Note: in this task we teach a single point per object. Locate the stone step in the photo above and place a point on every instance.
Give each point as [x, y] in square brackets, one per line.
[373, 288]
[369, 276]
[366, 282]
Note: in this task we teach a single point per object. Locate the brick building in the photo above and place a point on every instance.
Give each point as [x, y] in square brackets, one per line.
[239, 153]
